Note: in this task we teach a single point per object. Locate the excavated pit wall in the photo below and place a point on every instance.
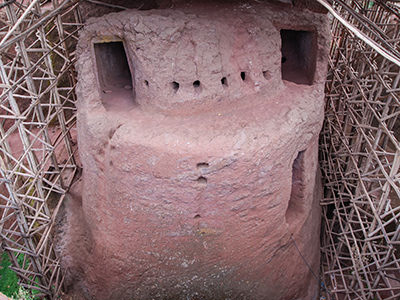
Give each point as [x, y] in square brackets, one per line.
[199, 160]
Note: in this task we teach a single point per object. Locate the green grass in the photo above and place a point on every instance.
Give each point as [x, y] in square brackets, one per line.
[9, 281]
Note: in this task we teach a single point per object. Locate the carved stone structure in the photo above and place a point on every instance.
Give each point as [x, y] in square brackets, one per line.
[198, 134]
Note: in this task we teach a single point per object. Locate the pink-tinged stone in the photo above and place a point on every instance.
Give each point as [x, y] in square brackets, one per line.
[198, 191]
[3, 297]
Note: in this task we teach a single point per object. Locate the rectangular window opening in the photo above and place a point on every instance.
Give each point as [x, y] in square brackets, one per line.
[296, 200]
[298, 56]
[114, 73]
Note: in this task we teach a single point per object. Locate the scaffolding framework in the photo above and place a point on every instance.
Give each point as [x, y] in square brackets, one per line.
[37, 113]
[360, 153]
[360, 150]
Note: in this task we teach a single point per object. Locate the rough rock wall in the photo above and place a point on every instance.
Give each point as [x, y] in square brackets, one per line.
[197, 191]
[90, 9]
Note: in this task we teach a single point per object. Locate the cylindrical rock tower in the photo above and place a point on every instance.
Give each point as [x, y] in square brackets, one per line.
[198, 134]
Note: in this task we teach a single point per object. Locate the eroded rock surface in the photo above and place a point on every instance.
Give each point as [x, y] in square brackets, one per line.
[199, 161]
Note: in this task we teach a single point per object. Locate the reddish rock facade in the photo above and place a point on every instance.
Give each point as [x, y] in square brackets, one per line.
[198, 134]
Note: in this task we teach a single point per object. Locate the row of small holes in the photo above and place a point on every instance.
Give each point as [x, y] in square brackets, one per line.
[224, 81]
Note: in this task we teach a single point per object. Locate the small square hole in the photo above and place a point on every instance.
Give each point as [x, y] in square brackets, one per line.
[298, 56]
[112, 65]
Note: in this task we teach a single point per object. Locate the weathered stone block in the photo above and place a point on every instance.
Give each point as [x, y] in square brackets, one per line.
[198, 135]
